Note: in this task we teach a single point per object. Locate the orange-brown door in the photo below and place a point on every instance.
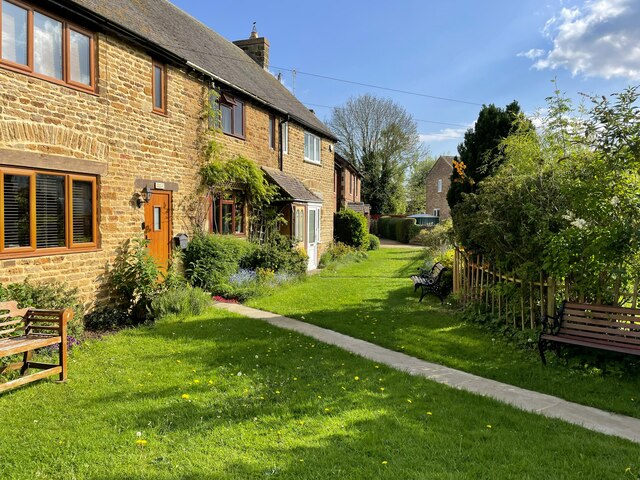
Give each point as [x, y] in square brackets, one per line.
[157, 221]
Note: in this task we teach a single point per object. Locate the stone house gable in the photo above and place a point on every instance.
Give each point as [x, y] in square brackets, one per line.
[437, 185]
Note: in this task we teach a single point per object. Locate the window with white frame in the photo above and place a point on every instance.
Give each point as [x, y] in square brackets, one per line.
[436, 212]
[439, 185]
[285, 137]
[312, 148]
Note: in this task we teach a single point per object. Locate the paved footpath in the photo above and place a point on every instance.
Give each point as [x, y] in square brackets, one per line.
[547, 405]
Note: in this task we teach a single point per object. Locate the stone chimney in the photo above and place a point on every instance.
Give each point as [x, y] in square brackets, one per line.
[256, 47]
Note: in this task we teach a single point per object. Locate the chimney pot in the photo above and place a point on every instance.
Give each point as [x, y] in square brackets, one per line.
[257, 48]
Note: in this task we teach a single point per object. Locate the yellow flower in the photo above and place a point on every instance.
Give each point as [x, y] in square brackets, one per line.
[384, 462]
[319, 396]
[210, 382]
[382, 389]
[141, 442]
[489, 426]
[185, 396]
[356, 378]
[277, 392]
[429, 413]
[409, 400]
[196, 382]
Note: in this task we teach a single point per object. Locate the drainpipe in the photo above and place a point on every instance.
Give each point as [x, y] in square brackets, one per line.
[281, 146]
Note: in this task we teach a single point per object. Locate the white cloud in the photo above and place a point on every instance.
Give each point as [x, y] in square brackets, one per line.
[443, 135]
[599, 39]
[532, 54]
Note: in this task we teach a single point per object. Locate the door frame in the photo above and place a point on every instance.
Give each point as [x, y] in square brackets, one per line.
[317, 207]
[169, 194]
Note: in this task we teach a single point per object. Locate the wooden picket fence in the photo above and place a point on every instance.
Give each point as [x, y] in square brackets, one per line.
[519, 302]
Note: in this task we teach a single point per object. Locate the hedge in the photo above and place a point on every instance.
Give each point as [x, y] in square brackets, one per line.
[396, 228]
[350, 228]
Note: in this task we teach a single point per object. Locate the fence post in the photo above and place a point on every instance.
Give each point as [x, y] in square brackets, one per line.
[551, 296]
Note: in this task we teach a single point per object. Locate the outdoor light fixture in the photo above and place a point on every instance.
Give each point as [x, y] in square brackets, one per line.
[145, 197]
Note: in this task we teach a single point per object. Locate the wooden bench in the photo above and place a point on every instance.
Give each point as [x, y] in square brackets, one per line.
[604, 327]
[430, 282]
[38, 328]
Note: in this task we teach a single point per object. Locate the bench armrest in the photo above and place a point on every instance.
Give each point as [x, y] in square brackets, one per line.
[550, 324]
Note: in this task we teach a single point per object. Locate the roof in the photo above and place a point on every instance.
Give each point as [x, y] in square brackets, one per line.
[343, 162]
[291, 186]
[359, 207]
[448, 159]
[166, 26]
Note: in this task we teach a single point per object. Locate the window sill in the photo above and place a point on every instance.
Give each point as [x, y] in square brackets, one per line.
[88, 90]
[52, 252]
[306, 160]
[160, 113]
[233, 135]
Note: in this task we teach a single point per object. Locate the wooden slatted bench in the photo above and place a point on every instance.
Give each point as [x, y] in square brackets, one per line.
[429, 282]
[38, 328]
[604, 327]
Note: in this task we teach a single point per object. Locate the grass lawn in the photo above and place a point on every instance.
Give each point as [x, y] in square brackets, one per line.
[374, 300]
[223, 397]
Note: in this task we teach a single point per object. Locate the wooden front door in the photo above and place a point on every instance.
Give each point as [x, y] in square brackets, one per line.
[157, 227]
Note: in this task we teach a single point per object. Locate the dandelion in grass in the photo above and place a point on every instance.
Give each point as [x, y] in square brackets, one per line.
[489, 427]
[197, 382]
[429, 413]
[356, 378]
[185, 396]
[409, 400]
[382, 389]
[384, 462]
[141, 442]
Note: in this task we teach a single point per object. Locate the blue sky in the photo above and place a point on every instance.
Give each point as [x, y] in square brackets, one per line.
[493, 51]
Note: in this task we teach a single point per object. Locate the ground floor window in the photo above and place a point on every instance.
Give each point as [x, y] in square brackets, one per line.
[43, 211]
[298, 224]
[227, 213]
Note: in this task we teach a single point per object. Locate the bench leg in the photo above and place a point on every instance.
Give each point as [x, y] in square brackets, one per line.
[63, 359]
[541, 350]
[424, 292]
[26, 357]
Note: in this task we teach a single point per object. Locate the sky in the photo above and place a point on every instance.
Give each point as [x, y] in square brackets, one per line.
[469, 52]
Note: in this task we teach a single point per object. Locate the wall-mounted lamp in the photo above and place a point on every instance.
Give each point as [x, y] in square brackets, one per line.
[144, 197]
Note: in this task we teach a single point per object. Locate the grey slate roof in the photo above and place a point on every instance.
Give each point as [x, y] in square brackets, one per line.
[291, 186]
[165, 25]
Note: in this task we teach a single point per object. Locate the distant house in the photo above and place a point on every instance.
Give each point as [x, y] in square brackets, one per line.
[347, 185]
[437, 185]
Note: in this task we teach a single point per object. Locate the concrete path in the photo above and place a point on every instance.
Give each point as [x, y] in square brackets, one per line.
[547, 405]
[386, 243]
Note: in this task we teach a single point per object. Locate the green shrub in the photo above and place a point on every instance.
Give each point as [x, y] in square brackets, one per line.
[374, 242]
[183, 302]
[210, 260]
[350, 228]
[340, 253]
[54, 295]
[396, 228]
[277, 254]
[135, 279]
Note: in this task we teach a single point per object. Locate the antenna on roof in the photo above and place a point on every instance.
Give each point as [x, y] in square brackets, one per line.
[254, 31]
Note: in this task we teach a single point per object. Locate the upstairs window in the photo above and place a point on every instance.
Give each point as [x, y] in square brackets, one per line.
[272, 132]
[439, 185]
[232, 115]
[45, 46]
[48, 212]
[159, 88]
[285, 138]
[312, 147]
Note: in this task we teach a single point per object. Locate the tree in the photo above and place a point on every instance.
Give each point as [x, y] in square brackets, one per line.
[381, 138]
[480, 153]
[416, 185]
